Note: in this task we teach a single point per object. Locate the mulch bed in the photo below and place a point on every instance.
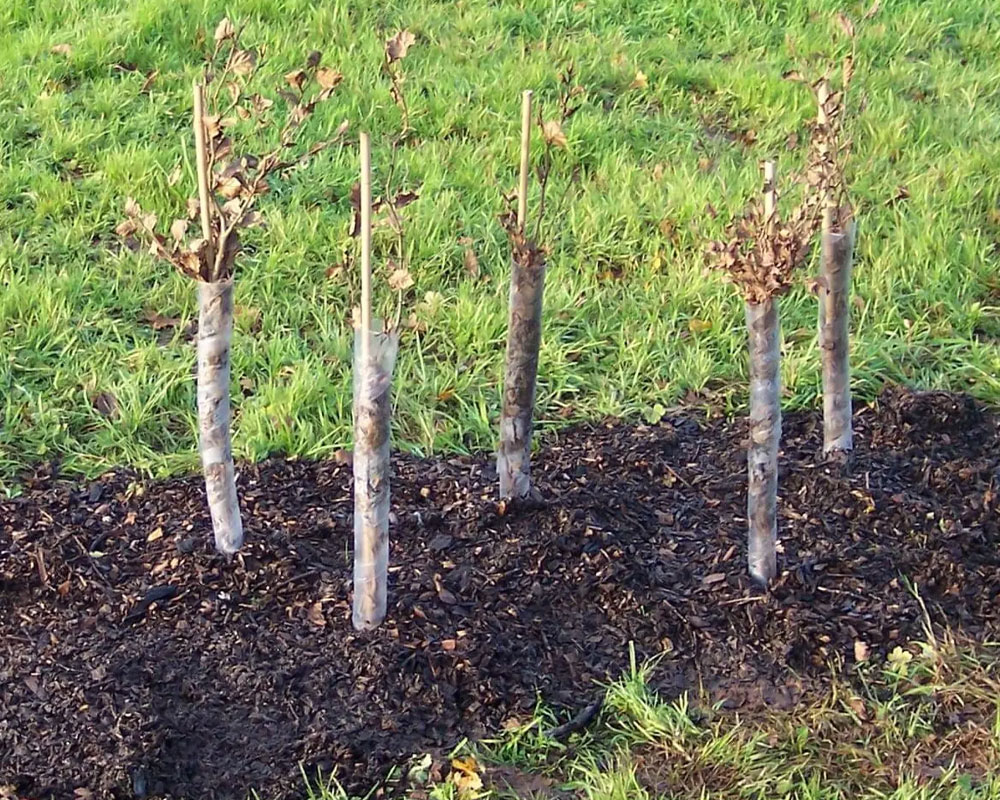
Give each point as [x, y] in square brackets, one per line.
[135, 661]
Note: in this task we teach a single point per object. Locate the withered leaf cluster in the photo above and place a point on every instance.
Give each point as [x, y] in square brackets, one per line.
[384, 209]
[760, 253]
[829, 148]
[396, 48]
[525, 252]
[553, 135]
[237, 180]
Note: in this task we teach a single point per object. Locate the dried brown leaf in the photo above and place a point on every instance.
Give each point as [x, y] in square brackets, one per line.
[328, 78]
[132, 208]
[297, 78]
[224, 30]
[105, 404]
[397, 46]
[315, 615]
[230, 187]
[179, 229]
[400, 279]
[148, 83]
[471, 262]
[553, 134]
[871, 12]
[243, 62]
[175, 175]
[845, 24]
[126, 227]
[62, 49]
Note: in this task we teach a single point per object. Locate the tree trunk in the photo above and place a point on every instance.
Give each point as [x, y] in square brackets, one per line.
[372, 418]
[765, 435]
[834, 336]
[524, 335]
[215, 333]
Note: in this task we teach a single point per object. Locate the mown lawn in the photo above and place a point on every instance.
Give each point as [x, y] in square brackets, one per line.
[633, 322]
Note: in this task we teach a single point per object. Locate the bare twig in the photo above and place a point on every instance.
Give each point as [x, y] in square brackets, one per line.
[204, 193]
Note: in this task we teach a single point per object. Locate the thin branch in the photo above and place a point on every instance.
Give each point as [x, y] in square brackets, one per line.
[204, 194]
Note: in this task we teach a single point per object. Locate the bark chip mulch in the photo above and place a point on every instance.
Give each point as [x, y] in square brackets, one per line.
[135, 662]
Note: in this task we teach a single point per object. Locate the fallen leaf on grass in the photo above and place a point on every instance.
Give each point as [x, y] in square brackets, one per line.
[400, 279]
[105, 404]
[148, 83]
[640, 81]
[902, 193]
[62, 49]
[699, 325]
[471, 262]
[465, 776]
[328, 78]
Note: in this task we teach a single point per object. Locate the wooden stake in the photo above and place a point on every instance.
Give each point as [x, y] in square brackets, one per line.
[366, 247]
[204, 190]
[522, 187]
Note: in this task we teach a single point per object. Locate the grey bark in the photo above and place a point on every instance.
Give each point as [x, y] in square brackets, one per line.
[765, 435]
[215, 332]
[372, 420]
[834, 336]
[524, 335]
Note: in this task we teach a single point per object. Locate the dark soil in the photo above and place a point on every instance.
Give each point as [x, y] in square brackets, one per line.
[134, 660]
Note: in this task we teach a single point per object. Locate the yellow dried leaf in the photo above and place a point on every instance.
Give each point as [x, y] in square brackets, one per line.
[154, 535]
[640, 81]
[699, 325]
[62, 49]
[465, 776]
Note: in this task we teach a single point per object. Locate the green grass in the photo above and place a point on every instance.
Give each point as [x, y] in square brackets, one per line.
[924, 730]
[77, 136]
